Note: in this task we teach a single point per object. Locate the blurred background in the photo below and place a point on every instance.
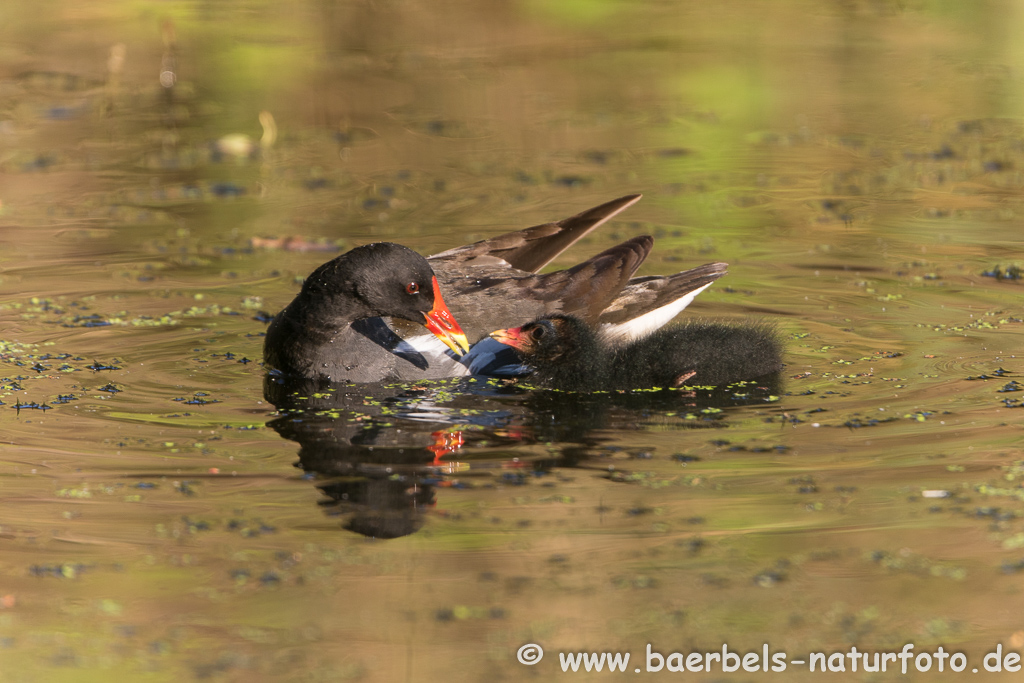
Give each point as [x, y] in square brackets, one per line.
[170, 171]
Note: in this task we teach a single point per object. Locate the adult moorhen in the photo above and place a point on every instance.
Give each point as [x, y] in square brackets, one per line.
[334, 327]
[565, 353]
[356, 319]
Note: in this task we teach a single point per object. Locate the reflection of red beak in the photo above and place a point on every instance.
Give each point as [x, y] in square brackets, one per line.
[442, 323]
[445, 443]
[513, 337]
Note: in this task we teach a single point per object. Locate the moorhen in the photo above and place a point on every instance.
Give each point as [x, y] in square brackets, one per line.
[355, 318]
[565, 353]
[334, 327]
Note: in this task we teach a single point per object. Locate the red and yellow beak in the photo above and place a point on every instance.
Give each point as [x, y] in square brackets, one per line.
[442, 323]
[513, 337]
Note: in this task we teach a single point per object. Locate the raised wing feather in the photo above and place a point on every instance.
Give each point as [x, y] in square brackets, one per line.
[531, 249]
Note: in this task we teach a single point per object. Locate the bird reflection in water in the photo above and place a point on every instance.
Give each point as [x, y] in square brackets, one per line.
[379, 453]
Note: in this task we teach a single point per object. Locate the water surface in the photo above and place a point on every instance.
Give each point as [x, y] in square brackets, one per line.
[858, 166]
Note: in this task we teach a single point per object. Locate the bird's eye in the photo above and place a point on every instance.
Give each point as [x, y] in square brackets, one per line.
[412, 288]
[537, 332]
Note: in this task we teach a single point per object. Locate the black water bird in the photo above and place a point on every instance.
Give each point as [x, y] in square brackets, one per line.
[334, 327]
[565, 353]
[356, 320]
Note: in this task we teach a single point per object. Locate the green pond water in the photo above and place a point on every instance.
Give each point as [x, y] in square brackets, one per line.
[169, 172]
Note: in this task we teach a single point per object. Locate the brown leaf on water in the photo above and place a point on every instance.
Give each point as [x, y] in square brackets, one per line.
[292, 243]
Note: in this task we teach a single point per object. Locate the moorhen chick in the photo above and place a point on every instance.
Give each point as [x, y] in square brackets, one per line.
[565, 353]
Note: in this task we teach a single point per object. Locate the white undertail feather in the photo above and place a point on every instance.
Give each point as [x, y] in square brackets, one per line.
[486, 357]
[618, 334]
[431, 348]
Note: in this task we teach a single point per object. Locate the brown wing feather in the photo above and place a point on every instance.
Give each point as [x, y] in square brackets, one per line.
[583, 290]
[531, 249]
[586, 289]
[491, 284]
[644, 294]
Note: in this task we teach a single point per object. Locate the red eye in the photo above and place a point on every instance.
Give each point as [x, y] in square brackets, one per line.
[412, 288]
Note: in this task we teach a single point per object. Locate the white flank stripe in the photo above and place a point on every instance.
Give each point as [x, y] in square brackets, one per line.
[641, 326]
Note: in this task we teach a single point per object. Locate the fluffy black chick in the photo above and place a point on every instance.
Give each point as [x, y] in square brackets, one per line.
[565, 353]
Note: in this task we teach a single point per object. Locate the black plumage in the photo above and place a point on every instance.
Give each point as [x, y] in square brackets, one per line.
[328, 330]
[565, 353]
